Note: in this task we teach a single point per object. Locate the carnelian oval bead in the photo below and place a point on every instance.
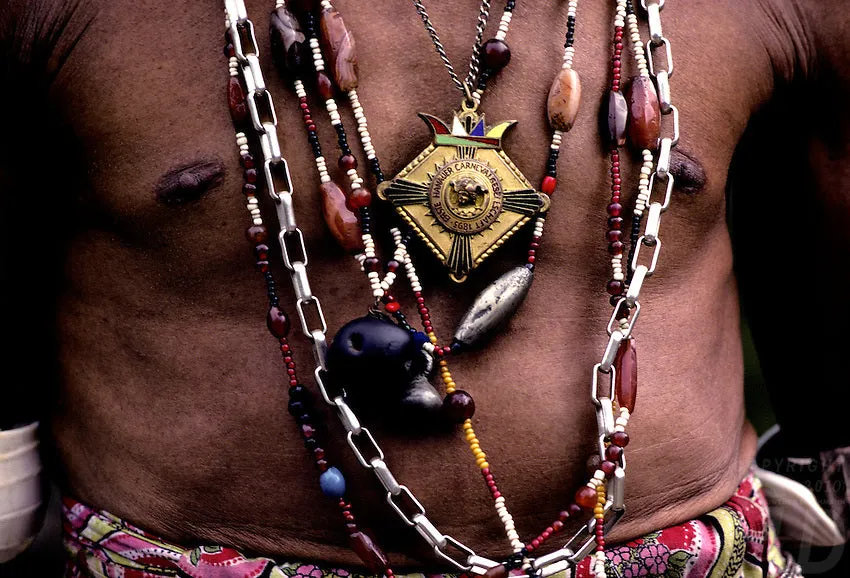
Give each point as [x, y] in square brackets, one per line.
[338, 43]
[644, 114]
[340, 220]
[564, 100]
[626, 381]
[236, 101]
[616, 118]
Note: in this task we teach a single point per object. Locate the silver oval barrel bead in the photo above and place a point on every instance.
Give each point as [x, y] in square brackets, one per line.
[493, 306]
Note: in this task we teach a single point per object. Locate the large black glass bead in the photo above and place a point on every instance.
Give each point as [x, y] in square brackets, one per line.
[373, 351]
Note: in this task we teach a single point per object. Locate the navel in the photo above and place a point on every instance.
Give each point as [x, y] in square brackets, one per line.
[188, 182]
[687, 171]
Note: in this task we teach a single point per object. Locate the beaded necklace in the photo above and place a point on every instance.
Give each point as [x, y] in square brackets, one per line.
[252, 110]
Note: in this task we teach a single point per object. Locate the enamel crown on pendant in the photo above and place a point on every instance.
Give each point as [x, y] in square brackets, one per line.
[462, 195]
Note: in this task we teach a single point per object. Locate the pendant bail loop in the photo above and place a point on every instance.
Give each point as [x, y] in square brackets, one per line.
[469, 103]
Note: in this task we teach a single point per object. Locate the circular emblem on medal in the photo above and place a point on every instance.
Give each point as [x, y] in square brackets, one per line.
[466, 196]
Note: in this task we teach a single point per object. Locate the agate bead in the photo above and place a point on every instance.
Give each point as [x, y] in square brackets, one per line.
[586, 497]
[341, 222]
[368, 551]
[644, 114]
[626, 380]
[564, 100]
[615, 119]
[236, 102]
[290, 51]
[338, 44]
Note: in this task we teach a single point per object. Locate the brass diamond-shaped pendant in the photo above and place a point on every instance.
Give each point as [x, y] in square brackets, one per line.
[462, 195]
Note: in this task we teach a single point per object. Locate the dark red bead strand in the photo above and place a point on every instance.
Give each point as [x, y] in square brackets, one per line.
[363, 544]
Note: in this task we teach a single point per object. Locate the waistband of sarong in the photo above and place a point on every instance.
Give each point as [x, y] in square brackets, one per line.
[736, 539]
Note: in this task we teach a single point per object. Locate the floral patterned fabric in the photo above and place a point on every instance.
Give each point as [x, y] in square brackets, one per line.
[737, 540]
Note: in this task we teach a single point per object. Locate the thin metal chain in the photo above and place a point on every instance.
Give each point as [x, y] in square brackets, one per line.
[474, 62]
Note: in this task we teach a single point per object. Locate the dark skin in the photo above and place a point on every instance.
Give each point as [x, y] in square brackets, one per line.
[169, 403]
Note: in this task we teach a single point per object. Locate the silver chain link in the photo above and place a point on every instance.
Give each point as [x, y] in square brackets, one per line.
[467, 85]
[363, 444]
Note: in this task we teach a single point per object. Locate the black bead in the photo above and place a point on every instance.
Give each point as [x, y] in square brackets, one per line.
[311, 443]
[299, 392]
[495, 54]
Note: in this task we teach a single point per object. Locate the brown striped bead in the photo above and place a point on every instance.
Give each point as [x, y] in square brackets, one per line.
[341, 221]
[564, 100]
[325, 86]
[616, 118]
[626, 382]
[236, 102]
[644, 114]
[338, 43]
[289, 49]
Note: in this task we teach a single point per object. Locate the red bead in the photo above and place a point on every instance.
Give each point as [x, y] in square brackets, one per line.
[249, 189]
[616, 248]
[615, 223]
[587, 497]
[495, 54]
[278, 323]
[262, 252]
[247, 161]
[250, 175]
[574, 509]
[614, 209]
[644, 113]
[608, 467]
[497, 572]
[615, 287]
[620, 439]
[557, 526]
[458, 407]
[613, 453]
[257, 233]
[360, 198]
[548, 185]
[392, 306]
[347, 162]
[372, 265]
[613, 235]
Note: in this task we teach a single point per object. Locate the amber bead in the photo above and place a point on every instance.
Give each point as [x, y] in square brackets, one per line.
[458, 406]
[615, 119]
[564, 100]
[587, 497]
[365, 547]
[341, 221]
[495, 54]
[347, 162]
[626, 381]
[289, 47]
[499, 571]
[236, 101]
[325, 86]
[620, 439]
[644, 114]
[277, 322]
[257, 233]
[339, 47]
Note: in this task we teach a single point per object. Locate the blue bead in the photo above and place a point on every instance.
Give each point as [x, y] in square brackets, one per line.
[420, 339]
[332, 483]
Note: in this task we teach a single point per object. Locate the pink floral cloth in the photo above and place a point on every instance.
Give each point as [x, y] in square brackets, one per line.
[737, 540]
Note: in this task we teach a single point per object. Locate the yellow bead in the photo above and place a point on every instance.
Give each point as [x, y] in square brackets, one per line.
[484, 465]
[433, 338]
[470, 437]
